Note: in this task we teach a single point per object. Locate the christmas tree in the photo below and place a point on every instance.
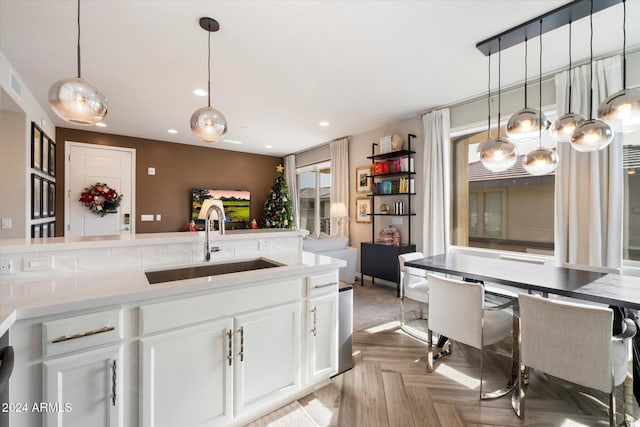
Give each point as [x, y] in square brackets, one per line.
[278, 211]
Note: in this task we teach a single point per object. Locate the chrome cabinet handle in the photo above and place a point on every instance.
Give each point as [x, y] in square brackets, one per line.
[83, 334]
[325, 285]
[114, 373]
[315, 321]
[241, 354]
[230, 353]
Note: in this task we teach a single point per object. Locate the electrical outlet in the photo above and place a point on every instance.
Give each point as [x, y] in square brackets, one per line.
[264, 245]
[6, 267]
[6, 223]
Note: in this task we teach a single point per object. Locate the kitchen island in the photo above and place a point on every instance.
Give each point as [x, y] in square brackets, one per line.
[96, 344]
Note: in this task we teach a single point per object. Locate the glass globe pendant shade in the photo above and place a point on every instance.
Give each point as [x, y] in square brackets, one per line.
[540, 161]
[525, 124]
[497, 154]
[562, 128]
[77, 101]
[592, 135]
[622, 110]
[208, 124]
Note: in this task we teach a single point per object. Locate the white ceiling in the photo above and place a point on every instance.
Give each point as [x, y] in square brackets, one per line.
[280, 67]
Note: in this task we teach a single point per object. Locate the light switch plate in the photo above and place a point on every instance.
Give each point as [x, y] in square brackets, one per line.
[146, 217]
[6, 223]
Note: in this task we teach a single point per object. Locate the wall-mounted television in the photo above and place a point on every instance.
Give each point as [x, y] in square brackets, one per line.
[236, 203]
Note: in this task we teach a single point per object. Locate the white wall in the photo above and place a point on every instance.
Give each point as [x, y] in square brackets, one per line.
[17, 110]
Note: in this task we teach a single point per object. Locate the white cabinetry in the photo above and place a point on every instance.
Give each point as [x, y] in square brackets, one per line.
[186, 376]
[268, 362]
[84, 389]
[322, 326]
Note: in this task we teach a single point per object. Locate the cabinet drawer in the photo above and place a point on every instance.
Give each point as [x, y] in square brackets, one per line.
[187, 311]
[80, 332]
[321, 284]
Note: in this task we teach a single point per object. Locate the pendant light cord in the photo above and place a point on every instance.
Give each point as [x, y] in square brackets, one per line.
[489, 101]
[209, 70]
[499, 67]
[624, 44]
[526, 66]
[591, 63]
[569, 66]
[78, 48]
[540, 88]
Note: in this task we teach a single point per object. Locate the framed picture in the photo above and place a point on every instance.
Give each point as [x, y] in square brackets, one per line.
[45, 198]
[36, 196]
[52, 198]
[52, 158]
[36, 146]
[363, 209]
[363, 182]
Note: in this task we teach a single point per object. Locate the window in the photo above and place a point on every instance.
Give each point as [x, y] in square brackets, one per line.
[631, 177]
[508, 210]
[314, 193]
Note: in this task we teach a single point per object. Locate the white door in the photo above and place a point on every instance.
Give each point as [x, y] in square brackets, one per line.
[186, 376]
[88, 164]
[267, 356]
[85, 389]
[322, 337]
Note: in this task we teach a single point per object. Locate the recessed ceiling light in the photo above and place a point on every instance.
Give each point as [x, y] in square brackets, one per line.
[101, 125]
[231, 141]
[324, 123]
[200, 92]
[268, 146]
[172, 131]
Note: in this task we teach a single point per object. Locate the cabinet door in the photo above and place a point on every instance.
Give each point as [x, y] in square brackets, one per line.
[85, 389]
[267, 356]
[186, 376]
[322, 336]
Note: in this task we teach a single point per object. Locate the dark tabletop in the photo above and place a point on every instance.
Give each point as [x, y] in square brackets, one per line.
[612, 289]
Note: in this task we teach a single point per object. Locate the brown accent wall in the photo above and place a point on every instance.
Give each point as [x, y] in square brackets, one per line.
[179, 168]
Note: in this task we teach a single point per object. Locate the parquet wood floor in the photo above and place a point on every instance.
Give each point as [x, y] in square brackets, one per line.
[389, 386]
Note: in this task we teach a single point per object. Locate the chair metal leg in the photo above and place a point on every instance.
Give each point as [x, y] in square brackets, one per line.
[429, 351]
[612, 408]
[518, 396]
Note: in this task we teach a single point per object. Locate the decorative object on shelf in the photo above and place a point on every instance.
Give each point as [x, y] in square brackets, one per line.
[396, 142]
[389, 236]
[254, 224]
[525, 124]
[278, 209]
[622, 109]
[496, 154]
[592, 134]
[75, 100]
[564, 126]
[384, 208]
[207, 123]
[398, 208]
[363, 182]
[101, 199]
[541, 160]
[363, 210]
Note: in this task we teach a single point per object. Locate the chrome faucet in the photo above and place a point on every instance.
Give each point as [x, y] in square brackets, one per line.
[207, 229]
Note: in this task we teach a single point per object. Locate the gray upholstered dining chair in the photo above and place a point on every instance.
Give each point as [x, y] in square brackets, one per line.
[572, 341]
[414, 286]
[457, 310]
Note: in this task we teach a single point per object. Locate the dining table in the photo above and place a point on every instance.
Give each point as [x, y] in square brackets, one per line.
[615, 290]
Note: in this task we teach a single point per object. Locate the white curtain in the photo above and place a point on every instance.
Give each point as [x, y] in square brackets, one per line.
[436, 180]
[340, 181]
[292, 182]
[589, 186]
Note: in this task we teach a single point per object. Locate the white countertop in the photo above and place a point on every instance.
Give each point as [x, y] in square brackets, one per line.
[43, 293]
[61, 293]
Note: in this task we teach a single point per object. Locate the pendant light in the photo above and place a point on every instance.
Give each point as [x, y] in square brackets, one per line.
[564, 126]
[622, 109]
[524, 124]
[541, 160]
[497, 154]
[592, 134]
[75, 100]
[207, 123]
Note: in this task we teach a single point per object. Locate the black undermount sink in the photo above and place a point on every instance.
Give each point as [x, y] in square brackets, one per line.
[182, 273]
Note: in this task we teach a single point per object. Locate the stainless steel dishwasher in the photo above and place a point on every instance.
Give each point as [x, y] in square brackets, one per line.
[345, 327]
